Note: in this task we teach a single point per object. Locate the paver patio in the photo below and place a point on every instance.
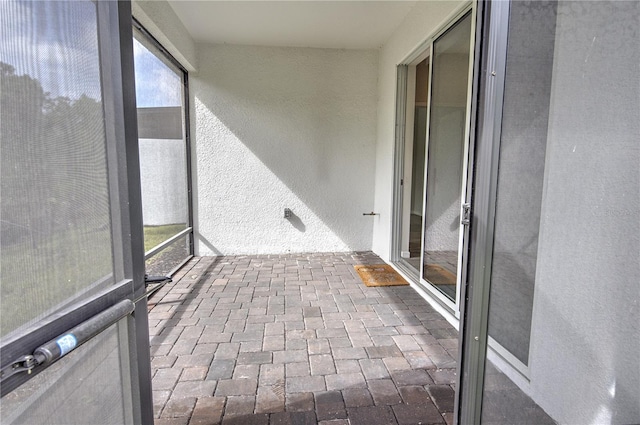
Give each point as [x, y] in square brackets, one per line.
[297, 339]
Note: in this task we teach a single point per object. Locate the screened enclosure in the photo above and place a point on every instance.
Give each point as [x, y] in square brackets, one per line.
[161, 97]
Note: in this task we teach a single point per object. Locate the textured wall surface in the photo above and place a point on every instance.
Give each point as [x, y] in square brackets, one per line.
[420, 24]
[278, 128]
[164, 181]
[586, 315]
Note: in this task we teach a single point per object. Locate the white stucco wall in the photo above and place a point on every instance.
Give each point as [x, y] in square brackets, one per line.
[421, 23]
[586, 315]
[278, 128]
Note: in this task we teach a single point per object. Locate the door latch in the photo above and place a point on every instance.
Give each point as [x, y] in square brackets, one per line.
[21, 364]
[466, 214]
[156, 280]
[152, 285]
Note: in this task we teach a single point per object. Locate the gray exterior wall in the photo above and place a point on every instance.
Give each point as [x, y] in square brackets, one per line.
[163, 166]
[164, 181]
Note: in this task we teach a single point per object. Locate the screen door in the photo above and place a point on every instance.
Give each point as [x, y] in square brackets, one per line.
[71, 241]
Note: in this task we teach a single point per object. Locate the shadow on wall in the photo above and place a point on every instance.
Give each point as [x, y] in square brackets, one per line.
[297, 222]
[309, 116]
[214, 251]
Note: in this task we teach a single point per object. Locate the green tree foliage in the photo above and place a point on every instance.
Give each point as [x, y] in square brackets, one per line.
[55, 234]
[53, 161]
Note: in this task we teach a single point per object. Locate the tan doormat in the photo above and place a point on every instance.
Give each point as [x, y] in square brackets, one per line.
[439, 275]
[379, 275]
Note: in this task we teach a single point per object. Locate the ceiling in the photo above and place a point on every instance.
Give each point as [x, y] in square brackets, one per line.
[321, 24]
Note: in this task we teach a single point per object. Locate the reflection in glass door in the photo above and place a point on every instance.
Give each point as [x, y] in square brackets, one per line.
[446, 157]
[415, 146]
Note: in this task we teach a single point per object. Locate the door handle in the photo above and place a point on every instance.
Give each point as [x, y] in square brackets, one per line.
[466, 214]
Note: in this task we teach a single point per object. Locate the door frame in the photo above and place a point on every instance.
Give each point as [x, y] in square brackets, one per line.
[426, 48]
[407, 142]
[492, 31]
[130, 205]
[186, 132]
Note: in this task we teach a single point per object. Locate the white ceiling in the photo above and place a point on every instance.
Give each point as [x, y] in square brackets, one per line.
[323, 24]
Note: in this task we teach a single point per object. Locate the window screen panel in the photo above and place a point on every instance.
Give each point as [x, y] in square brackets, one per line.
[55, 212]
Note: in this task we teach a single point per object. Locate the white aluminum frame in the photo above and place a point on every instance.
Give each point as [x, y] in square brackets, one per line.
[424, 49]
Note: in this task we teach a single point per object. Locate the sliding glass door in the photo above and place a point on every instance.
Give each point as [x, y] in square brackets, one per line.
[432, 160]
[446, 158]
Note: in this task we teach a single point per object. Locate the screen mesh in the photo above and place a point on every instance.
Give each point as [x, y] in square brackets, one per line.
[56, 235]
[78, 389]
[163, 154]
[56, 238]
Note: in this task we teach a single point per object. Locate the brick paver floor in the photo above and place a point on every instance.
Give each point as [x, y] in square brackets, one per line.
[297, 339]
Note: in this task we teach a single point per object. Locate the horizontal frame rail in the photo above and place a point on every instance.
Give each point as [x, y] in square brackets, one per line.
[56, 324]
[156, 249]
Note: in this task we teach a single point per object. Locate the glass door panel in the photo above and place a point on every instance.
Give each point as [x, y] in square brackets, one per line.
[415, 149]
[163, 156]
[445, 157]
[417, 177]
[520, 180]
[520, 177]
